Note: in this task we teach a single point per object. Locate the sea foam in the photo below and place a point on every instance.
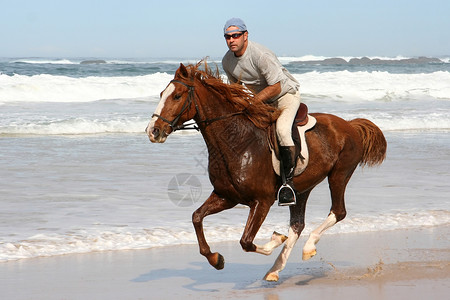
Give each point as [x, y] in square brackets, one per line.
[374, 86]
[126, 238]
[51, 88]
[340, 86]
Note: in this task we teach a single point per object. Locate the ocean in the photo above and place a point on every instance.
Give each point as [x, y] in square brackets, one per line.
[79, 175]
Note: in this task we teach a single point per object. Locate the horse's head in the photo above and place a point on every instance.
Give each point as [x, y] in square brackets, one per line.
[174, 106]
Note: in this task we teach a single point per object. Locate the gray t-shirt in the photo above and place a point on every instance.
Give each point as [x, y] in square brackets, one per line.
[258, 68]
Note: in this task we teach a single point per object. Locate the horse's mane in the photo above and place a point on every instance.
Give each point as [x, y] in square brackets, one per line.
[238, 96]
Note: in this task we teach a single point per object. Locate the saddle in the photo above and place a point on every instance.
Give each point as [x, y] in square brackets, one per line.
[302, 123]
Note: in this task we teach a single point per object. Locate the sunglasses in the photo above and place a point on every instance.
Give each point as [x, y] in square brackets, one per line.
[234, 35]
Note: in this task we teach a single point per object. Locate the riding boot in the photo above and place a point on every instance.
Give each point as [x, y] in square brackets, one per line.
[286, 193]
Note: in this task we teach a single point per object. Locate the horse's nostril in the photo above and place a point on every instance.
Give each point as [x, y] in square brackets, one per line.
[155, 132]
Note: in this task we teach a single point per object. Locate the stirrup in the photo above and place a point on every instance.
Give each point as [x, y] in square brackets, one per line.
[286, 195]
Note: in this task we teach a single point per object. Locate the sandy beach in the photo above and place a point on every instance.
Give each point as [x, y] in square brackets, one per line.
[400, 264]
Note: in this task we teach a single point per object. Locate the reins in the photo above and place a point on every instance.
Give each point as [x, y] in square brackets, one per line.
[186, 105]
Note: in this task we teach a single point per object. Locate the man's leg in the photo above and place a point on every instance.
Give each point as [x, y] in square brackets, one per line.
[289, 105]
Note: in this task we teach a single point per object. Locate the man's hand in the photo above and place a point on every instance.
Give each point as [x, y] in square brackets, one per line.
[269, 93]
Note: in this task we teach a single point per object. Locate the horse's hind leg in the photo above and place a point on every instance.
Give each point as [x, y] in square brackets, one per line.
[309, 250]
[297, 223]
[276, 240]
[337, 182]
[212, 205]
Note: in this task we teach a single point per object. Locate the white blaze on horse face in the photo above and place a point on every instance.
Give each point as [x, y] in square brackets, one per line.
[166, 93]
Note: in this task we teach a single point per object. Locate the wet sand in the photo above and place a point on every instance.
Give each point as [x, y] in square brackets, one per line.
[400, 264]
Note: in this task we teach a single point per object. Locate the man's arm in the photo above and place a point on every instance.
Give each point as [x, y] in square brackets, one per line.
[269, 92]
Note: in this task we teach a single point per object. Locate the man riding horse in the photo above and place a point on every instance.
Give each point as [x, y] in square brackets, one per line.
[260, 70]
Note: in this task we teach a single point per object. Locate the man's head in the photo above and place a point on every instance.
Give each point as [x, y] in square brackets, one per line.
[236, 36]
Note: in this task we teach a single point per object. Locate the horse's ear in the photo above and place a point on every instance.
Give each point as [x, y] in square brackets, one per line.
[183, 71]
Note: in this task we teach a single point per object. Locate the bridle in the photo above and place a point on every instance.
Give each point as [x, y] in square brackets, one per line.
[187, 103]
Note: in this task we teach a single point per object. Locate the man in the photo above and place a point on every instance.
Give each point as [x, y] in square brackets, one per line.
[260, 70]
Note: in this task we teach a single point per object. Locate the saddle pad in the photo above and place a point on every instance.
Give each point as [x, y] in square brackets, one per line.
[301, 163]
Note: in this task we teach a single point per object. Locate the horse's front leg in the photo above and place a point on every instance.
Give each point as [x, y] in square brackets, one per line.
[212, 205]
[257, 215]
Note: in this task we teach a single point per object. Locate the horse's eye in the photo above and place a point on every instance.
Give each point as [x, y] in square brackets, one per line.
[177, 97]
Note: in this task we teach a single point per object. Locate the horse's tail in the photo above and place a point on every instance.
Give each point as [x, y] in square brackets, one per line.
[373, 141]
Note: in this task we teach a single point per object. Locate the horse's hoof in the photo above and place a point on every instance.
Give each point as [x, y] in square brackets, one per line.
[271, 276]
[309, 254]
[218, 261]
[280, 236]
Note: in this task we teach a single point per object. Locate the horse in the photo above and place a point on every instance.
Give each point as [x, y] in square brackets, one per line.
[236, 132]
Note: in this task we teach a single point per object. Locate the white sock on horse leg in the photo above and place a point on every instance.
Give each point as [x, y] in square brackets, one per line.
[280, 262]
[309, 250]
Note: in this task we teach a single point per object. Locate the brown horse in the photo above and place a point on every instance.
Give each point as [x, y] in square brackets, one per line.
[235, 130]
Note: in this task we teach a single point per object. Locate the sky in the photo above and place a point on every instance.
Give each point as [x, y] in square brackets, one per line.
[194, 28]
